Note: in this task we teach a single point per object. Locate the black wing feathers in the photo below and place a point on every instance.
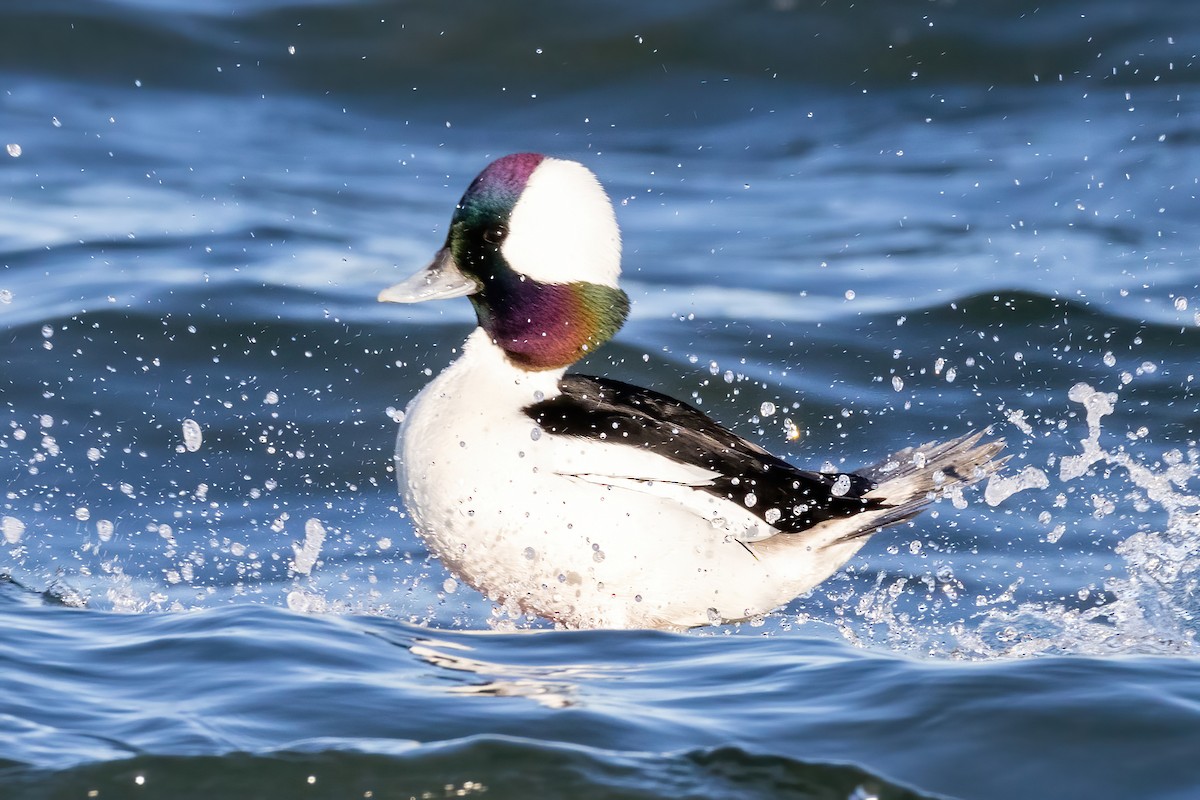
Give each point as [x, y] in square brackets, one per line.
[788, 499]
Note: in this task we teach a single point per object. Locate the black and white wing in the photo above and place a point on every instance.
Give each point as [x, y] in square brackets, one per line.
[788, 499]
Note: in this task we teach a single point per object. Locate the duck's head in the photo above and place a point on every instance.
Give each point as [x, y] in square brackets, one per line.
[535, 245]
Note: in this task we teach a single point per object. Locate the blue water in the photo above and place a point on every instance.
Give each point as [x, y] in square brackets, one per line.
[894, 221]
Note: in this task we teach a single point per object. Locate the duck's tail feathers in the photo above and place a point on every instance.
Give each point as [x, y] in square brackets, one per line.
[911, 479]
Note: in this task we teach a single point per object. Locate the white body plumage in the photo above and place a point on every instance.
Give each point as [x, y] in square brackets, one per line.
[585, 532]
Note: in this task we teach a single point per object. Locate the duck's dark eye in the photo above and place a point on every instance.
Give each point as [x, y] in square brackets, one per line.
[495, 235]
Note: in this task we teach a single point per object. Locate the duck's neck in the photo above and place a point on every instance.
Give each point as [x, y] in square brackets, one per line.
[549, 326]
[493, 371]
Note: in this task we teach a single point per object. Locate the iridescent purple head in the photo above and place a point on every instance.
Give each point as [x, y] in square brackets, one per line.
[534, 243]
[495, 191]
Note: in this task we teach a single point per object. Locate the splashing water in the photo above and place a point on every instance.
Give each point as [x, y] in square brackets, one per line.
[306, 554]
[1152, 607]
[12, 528]
[156, 555]
[193, 435]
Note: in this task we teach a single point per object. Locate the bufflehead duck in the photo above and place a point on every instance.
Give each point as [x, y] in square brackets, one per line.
[590, 501]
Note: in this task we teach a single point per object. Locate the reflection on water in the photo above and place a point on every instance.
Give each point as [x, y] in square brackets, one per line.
[549, 687]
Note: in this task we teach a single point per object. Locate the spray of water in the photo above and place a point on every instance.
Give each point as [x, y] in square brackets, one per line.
[1150, 605]
[173, 560]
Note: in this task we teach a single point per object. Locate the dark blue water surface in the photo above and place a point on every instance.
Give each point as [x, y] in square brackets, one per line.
[881, 222]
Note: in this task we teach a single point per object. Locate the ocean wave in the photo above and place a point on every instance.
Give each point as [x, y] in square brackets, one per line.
[372, 47]
[500, 767]
[247, 697]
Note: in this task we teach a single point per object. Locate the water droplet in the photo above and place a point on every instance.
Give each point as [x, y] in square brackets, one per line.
[14, 150]
[291, 49]
[714, 616]
[449, 586]
[306, 554]
[193, 436]
[530, 553]
[772, 516]
[12, 528]
[271, 399]
[1181, 303]
[83, 514]
[1110, 360]
[850, 294]
[750, 499]
[104, 529]
[951, 374]
[536, 433]
[767, 409]
[6, 296]
[840, 486]
[897, 383]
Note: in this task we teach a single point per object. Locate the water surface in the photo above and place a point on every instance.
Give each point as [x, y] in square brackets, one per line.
[892, 222]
